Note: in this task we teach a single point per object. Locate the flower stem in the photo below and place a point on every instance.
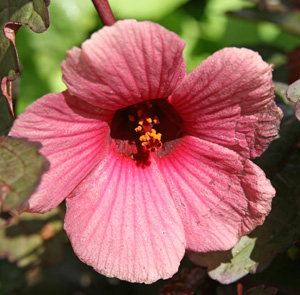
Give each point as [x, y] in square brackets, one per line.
[104, 11]
[239, 288]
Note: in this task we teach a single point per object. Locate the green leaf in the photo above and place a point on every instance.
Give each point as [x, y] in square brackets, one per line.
[260, 290]
[278, 5]
[12, 279]
[255, 252]
[13, 14]
[75, 20]
[293, 94]
[144, 9]
[280, 91]
[228, 266]
[6, 118]
[282, 226]
[288, 22]
[21, 167]
[33, 238]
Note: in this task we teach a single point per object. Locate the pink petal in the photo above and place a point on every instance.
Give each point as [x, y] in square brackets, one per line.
[73, 138]
[125, 64]
[229, 99]
[123, 222]
[219, 195]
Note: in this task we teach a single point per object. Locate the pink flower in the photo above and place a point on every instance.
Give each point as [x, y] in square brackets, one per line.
[152, 161]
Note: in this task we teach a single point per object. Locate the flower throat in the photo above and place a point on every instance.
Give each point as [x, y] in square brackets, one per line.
[146, 128]
[149, 138]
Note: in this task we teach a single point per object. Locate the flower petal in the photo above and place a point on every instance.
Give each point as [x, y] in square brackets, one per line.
[122, 221]
[73, 139]
[229, 99]
[125, 64]
[220, 195]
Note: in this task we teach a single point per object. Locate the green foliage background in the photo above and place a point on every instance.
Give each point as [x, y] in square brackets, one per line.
[42, 260]
[203, 24]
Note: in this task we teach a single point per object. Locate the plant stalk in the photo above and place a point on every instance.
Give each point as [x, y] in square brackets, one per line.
[105, 12]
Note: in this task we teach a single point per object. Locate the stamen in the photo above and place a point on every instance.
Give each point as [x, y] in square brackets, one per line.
[131, 118]
[148, 103]
[138, 128]
[139, 112]
[149, 138]
[156, 120]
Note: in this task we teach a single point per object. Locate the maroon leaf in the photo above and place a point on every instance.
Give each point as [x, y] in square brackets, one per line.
[13, 14]
[261, 290]
[21, 167]
[294, 65]
[185, 282]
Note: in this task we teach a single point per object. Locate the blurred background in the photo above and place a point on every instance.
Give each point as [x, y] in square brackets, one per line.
[203, 24]
[36, 255]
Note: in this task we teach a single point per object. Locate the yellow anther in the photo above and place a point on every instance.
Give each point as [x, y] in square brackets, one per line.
[149, 139]
[138, 128]
[158, 136]
[142, 138]
[131, 118]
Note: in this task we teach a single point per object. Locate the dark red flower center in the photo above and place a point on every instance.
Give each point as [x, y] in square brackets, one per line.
[153, 126]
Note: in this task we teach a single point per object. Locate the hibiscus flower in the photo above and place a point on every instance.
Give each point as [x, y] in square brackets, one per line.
[151, 160]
